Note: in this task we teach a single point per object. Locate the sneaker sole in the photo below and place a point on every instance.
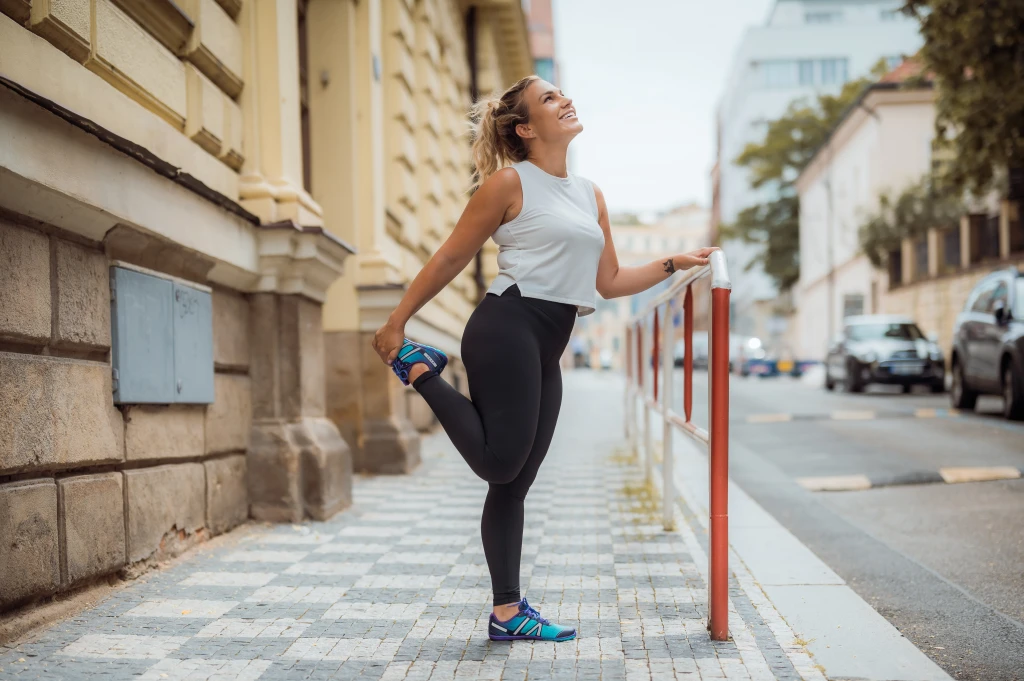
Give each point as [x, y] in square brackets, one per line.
[530, 638]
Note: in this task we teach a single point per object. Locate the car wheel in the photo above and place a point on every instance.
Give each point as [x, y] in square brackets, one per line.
[938, 386]
[960, 394]
[907, 388]
[1013, 400]
[830, 385]
[853, 382]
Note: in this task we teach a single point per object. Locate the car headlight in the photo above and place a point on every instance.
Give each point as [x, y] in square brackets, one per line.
[935, 353]
[867, 357]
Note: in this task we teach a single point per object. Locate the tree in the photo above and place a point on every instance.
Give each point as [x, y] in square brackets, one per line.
[788, 146]
[975, 51]
[912, 213]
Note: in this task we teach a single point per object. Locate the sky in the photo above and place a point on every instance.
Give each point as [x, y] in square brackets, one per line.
[646, 76]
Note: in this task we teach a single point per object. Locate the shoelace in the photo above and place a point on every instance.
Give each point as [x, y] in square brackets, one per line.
[528, 609]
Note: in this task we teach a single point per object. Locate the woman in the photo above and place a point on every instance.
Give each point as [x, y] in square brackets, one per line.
[555, 252]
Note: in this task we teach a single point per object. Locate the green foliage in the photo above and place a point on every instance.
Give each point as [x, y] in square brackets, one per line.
[918, 208]
[975, 49]
[788, 146]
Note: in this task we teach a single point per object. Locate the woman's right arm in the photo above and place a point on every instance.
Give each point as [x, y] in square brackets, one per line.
[484, 213]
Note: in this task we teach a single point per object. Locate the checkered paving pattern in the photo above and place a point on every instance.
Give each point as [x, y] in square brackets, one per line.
[397, 588]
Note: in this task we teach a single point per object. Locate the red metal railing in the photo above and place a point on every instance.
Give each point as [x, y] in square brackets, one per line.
[658, 314]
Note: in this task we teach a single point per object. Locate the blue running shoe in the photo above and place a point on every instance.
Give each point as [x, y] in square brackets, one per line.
[414, 353]
[528, 625]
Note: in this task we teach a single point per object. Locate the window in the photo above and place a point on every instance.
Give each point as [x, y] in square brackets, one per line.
[833, 71]
[982, 298]
[920, 258]
[853, 305]
[307, 151]
[984, 237]
[895, 268]
[823, 17]
[951, 248]
[545, 68]
[806, 72]
[778, 73]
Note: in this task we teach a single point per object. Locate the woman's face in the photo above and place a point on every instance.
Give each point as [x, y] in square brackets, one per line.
[552, 114]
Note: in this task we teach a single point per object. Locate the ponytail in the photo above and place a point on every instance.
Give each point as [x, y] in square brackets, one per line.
[496, 143]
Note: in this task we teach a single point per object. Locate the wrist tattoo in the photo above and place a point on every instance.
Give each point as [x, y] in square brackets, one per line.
[670, 266]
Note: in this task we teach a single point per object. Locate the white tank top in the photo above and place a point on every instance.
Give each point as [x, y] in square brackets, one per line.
[552, 248]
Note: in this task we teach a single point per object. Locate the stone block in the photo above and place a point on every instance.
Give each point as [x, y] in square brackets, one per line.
[302, 358]
[343, 383]
[56, 412]
[92, 515]
[298, 470]
[29, 559]
[227, 496]
[230, 329]
[65, 23]
[390, 443]
[25, 281]
[205, 122]
[136, 63]
[166, 507]
[420, 414]
[164, 432]
[215, 45]
[229, 418]
[83, 296]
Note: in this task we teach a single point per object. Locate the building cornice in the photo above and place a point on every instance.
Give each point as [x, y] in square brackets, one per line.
[299, 260]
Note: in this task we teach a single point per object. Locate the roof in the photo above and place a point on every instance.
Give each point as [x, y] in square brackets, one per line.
[910, 67]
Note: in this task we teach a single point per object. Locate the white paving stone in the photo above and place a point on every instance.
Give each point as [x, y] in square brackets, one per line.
[117, 646]
[180, 607]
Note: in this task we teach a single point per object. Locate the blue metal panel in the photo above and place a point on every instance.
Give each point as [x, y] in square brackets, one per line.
[142, 352]
[193, 345]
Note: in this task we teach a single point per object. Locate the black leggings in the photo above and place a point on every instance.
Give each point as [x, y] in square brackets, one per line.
[511, 349]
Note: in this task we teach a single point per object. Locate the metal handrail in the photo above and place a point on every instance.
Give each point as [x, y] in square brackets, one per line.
[716, 438]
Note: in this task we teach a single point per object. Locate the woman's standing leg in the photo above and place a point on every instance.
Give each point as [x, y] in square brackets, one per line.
[501, 526]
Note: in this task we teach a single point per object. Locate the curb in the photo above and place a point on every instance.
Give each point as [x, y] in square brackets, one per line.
[949, 475]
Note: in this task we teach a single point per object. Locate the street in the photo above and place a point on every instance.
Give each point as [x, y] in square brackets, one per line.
[942, 562]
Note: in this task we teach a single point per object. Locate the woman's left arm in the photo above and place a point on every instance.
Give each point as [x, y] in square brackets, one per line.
[614, 281]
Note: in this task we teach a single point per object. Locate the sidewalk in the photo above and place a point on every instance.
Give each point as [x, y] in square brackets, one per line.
[397, 586]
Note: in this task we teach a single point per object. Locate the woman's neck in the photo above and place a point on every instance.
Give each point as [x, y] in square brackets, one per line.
[552, 161]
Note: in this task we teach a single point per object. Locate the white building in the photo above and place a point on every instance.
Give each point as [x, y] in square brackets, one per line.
[681, 230]
[806, 47]
[883, 145]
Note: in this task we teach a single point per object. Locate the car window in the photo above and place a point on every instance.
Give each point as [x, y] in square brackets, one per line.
[884, 330]
[1001, 292]
[982, 297]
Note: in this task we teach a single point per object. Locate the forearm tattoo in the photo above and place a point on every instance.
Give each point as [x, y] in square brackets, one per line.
[670, 266]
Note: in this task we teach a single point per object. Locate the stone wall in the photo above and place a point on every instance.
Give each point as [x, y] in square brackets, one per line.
[86, 488]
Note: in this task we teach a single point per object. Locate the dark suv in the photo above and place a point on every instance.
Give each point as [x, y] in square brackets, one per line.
[988, 344]
[883, 349]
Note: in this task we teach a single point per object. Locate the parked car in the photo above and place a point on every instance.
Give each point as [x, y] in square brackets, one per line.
[700, 350]
[884, 349]
[988, 344]
[606, 359]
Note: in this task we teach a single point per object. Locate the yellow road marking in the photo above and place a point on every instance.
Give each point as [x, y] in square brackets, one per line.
[835, 483]
[852, 415]
[926, 413]
[978, 473]
[769, 418]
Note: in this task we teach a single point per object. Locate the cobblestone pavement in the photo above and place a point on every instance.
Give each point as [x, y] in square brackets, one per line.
[397, 587]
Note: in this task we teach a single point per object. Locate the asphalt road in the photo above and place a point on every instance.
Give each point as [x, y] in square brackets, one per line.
[944, 563]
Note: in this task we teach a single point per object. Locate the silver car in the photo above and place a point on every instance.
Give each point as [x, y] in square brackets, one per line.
[884, 349]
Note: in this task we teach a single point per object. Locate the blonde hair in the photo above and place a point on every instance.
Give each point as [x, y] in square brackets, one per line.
[495, 141]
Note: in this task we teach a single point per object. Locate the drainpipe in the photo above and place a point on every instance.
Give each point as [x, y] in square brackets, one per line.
[474, 93]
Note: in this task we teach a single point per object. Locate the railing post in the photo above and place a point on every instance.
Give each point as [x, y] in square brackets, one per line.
[654, 358]
[668, 496]
[627, 369]
[688, 356]
[718, 448]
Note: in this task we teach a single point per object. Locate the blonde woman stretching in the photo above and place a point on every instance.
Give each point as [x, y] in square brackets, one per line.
[555, 254]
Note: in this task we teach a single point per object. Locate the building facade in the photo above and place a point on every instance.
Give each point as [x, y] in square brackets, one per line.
[683, 229]
[184, 188]
[884, 144]
[805, 48]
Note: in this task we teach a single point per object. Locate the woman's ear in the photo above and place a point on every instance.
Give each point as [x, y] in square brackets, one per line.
[525, 131]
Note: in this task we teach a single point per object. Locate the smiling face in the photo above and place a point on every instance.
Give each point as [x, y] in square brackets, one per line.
[552, 114]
